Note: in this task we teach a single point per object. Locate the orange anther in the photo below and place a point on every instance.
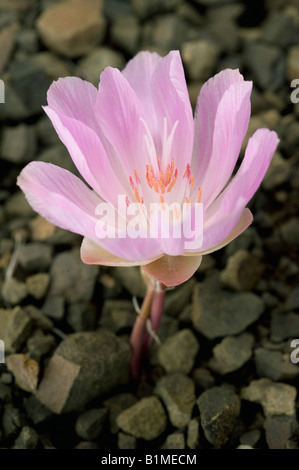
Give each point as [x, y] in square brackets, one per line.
[174, 178]
[199, 195]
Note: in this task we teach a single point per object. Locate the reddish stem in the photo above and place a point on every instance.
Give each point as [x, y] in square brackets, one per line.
[156, 311]
[139, 331]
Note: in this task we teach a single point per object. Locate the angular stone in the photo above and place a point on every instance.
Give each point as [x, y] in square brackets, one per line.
[17, 206]
[292, 301]
[193, 434]
[35, 256]
[146, 419]
[232, 353]
[116, 404]
[25, 371]
[53, 66]
[200, 58]
[71, 278]
[12, 420]
[175, 440]
[82, 316]
[30, 84]
[15, 327]
[251, 438]
[219, 408]
[91, 66]
[145, 8]
[117, 314]
[18, 144]
[13, 291]
[176, 300]
[40, 344]
[178, 352]
[275, 365]
[278, 172]
[293, 63]
[89, 424]
[125, 441]
[275, 398]
[278, 431]
[281, 29]
[242, 272]
[85, 365]
[290, 231]
[54, 307]
[7, 40]
[36, 410]
[267, 64]
[166, 31]
[37, 285]
[177, 392]
[284, 326]
[131, 280]
[72, 27]
[27, 439]
[125, 33]
[216, 313]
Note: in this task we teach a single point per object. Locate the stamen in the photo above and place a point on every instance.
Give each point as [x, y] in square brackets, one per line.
[137, 179]
[161, 182]
[174, 178]
[127, 201]
[187, 200]
[199, 195]
[169, 173]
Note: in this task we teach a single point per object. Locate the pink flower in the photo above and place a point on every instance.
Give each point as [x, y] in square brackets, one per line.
[135, 136]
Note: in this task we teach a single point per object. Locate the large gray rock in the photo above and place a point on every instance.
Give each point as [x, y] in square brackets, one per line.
[85, 365]
[232, 353]
[178, 352]
[71, 278]
[177, 391]
[216, 313]
[146, 419]
[276, 398]
[219, 408]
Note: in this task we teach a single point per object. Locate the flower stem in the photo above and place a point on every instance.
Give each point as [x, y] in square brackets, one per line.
[139, 330]
[156, 310]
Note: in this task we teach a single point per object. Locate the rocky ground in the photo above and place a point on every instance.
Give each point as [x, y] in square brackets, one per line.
[222, 377]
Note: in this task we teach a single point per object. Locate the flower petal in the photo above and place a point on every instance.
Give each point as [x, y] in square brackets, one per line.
[74, 98]
[89, 156]
[138, 72]
[173, 270]
[221, 121]
[92, 253]
[60, 197]
[171, 100]
[118, 112]
[258, 155]
[244, 221]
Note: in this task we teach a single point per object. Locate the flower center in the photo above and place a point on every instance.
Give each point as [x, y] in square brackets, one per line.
[161, 181]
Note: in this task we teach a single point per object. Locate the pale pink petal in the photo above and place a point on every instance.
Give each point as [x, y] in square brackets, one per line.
[138, 72]
[171, 100]
[258, 155]
[92, 253]
[60, 197]
[244, 221]
[89, 156]
[173, 270]
[74, 98]
[118, 112]
[64, 200]
[221, 122]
